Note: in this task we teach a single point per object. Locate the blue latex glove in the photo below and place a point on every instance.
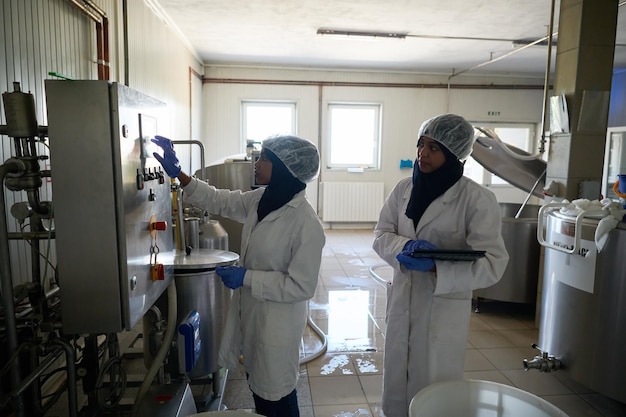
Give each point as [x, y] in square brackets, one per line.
[232, 276]
[169, 161]
[416, 264]
[412, 245]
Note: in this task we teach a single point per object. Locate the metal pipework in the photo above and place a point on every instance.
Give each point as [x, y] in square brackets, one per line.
[19, 109]
[201, 146]
[52, 352]
[544, 362]
[6, 284]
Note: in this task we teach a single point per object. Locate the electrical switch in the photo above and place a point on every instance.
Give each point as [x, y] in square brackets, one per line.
[155, 226]
[160, 226]
[139, 180]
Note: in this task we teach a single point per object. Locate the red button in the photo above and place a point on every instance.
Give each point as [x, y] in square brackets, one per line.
[158, 225]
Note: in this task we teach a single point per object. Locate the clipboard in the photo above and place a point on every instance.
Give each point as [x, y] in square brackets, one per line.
[449, 254]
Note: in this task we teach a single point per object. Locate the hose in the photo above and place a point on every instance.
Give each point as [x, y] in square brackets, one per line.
[377, 277]
[117, 387]
[161, 354]
[322, 337]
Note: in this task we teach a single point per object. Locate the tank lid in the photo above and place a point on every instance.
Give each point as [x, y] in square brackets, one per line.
[201, 259]
[523, 174]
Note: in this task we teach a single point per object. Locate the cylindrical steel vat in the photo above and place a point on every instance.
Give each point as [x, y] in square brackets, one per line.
[519, 281]
[205, 232]
[583, 312]
[199, 288]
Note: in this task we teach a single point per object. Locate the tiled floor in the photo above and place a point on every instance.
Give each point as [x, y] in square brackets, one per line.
[349, 307]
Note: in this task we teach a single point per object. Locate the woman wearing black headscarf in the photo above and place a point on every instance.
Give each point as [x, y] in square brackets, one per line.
[429, 301]
[281, 251]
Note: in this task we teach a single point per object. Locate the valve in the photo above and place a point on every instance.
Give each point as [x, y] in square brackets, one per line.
[543, 362]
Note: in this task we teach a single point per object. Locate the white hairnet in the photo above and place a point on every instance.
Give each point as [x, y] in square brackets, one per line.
[299, 156]
[452, 131]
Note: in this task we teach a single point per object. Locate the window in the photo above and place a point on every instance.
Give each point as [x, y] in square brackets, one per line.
[354, 135]
[262, 119]
[520, 136]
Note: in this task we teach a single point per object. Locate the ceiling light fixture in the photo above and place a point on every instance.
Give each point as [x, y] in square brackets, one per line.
[523, 42]
[363, 34]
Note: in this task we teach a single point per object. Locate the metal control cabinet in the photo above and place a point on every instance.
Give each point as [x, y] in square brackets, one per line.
[107, 189]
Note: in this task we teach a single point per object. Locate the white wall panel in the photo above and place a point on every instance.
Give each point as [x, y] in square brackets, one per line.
[39, 36]
[221, 118]
[407, 99]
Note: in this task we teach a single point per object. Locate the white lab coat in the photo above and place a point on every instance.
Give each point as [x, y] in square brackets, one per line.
[268, 315]
[428, 313]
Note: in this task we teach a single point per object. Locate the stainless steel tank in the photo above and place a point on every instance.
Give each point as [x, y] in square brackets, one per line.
[212, 235]
[583, 314]
[202, 231]
[233, 173]
[519, 281]
[199, 288]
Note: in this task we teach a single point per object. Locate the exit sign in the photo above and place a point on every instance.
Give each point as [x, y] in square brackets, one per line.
[493, 113]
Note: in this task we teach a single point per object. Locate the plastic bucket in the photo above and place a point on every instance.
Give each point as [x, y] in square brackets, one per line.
[475, 398]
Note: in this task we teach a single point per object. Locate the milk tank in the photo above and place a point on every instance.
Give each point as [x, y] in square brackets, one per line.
[583, 307]
[519, 221]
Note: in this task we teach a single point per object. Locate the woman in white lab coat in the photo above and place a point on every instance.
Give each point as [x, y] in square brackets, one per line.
[281, 249]
[429, 301]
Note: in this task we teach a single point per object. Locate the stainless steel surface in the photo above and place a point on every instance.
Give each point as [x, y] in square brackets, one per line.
[583, 311]
[519, 281]
[231, 174]
[201, 146]
[213, 235]
[192, 232]
[19, 110]
[200, 260]
[199, 288]
[210, 234]
[102, 218]
[526, 175]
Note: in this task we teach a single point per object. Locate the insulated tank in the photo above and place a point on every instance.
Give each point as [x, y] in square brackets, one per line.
[519, 281]
[233, 173]
[583, 307]
[202, 232]
[198, 288]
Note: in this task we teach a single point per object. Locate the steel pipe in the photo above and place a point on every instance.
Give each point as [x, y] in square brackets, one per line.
[6, 283]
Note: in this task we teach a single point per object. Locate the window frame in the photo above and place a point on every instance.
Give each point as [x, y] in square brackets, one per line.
[377, 139]
[245, 103]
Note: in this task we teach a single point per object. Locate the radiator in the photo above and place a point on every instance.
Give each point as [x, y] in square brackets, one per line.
[352, 201]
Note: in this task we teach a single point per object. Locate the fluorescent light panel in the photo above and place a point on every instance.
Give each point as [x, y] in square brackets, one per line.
[357, 33]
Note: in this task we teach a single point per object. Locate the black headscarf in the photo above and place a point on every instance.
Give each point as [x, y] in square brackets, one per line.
[281, 189]
[427, 187]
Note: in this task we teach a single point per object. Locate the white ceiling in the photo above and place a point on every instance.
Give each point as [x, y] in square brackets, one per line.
[443, 36]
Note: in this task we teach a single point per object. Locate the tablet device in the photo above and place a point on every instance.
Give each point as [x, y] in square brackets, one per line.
[449, 254]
